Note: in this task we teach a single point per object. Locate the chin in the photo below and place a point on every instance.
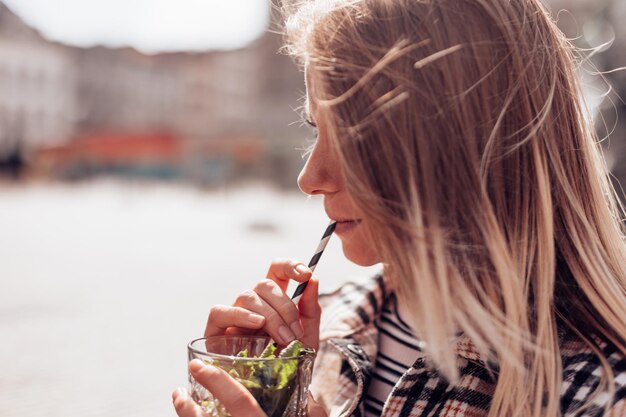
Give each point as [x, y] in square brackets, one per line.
[363, 257]
[357, 246]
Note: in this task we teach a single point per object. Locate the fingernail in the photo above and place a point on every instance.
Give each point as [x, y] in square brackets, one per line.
[296, 328]
[301, 269]
[286, 334]
[256, 319]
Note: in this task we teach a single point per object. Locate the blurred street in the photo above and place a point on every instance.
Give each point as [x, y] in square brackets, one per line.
[104, 284]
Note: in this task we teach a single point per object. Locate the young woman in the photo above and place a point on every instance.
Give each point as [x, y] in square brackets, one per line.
[454, 148]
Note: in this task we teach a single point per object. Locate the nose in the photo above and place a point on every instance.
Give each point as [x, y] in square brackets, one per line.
[321, 173]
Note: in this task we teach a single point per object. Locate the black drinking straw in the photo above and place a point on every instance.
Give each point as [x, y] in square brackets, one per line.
[312, 264]
[314, 260]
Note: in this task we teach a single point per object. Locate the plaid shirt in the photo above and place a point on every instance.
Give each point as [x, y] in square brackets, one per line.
[348, 349]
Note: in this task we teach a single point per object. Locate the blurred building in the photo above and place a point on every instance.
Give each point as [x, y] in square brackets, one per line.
[231, 111]
[122, 89]
[37, 87]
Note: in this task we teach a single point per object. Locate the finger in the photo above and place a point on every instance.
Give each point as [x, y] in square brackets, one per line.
[274, 325]
[185, 407]
[272, 294]
[222, 317]
[282, 270]
[239, 331]
[310, 313]
[234, 397]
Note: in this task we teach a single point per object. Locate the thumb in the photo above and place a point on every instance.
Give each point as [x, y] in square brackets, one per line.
[310, 313]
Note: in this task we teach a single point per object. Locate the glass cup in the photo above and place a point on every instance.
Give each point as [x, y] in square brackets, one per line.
[279, 384]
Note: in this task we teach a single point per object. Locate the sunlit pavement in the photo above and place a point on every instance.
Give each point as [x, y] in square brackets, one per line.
[102, 285]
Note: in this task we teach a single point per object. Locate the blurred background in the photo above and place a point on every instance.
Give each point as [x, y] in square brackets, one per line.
[148, 157]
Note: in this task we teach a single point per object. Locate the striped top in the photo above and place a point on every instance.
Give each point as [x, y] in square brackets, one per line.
[397, 351]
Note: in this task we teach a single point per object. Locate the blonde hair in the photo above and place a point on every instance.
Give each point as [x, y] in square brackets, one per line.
[464, 140]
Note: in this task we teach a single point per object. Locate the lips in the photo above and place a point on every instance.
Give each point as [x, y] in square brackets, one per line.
[346, 226]
[344, 223]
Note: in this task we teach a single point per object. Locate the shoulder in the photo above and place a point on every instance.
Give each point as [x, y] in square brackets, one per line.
[353, 293]
[352, 306]
[347, 313]
[586, 389]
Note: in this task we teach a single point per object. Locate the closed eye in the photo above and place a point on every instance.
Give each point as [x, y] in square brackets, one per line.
[314, 126]
[306, 151]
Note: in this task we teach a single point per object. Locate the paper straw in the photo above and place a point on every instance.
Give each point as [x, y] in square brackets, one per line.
[312, 264]
[314, 260]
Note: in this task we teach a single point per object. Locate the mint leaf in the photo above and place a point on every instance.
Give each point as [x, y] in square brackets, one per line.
[292, 349]
[269, 351]
[273, 374]
[272, 382]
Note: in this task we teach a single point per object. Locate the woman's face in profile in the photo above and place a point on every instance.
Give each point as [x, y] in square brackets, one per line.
[322, 175]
